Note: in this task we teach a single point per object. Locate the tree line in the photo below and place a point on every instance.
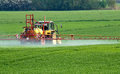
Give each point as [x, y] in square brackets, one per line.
[55, 4]
[118, 1]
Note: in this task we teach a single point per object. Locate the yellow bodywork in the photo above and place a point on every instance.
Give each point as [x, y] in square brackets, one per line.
[40, 31]
[37, 31]
[48, 32]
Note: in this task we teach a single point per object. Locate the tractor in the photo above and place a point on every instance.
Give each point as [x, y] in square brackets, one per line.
[40, 32]
[46, 32]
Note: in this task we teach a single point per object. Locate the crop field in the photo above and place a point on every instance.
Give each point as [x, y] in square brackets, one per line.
[95, 59]
[76, 22]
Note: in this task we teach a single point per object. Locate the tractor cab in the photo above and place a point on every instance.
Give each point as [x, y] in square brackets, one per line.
[35, 31]
[49, 27]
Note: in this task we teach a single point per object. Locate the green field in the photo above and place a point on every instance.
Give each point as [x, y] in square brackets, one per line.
[76, 22]
[100, 59]
[96, 59]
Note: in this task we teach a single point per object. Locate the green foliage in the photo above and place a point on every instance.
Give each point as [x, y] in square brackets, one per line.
[74, 22]
[64, 60]
[111, 3]
[103, 3]
[69, 4]
[12, 5]
[55, 4]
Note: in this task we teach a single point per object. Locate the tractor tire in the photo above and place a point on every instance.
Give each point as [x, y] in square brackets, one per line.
[54, 38]
[59, 41]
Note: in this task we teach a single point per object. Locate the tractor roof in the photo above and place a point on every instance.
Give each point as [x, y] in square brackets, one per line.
[45, 21]
[39, 22]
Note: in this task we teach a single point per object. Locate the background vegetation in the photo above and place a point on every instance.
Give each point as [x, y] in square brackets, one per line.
[55, 4]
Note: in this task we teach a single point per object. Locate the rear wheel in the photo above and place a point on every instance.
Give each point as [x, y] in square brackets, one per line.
[59, 41]
[54, 38]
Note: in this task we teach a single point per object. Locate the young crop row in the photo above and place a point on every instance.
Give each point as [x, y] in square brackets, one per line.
[74, 22]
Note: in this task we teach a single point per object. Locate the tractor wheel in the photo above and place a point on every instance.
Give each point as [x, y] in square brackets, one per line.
[59, 41]
[54, 38]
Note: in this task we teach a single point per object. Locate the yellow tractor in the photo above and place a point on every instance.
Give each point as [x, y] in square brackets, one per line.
[41, 31]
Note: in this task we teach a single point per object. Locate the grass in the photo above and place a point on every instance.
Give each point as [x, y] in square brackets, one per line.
[66, 60]
[96, 59]
[74, 22]
[118, 4]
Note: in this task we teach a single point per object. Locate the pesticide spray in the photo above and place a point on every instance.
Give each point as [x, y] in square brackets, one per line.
[15, 43]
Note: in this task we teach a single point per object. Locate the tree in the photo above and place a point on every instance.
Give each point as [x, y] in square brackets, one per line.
[15, 4]
[55, 4]
[103, 3]
[111, 3]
